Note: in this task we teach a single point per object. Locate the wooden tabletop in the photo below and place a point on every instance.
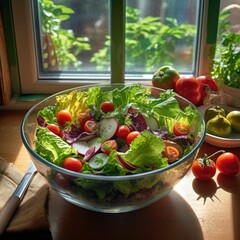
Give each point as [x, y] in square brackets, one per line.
[192, 210]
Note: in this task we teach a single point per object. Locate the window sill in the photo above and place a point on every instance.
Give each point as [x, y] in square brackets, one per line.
[21, 103]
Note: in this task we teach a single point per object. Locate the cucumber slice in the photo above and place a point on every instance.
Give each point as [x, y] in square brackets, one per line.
[108, 128]
[98, 161]
[152, 122]
[83, 146]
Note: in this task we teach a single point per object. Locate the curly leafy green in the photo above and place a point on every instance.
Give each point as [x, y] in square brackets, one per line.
[146, 150]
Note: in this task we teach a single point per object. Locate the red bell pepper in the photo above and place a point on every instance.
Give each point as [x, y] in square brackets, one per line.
[194, 89]
[189, 88]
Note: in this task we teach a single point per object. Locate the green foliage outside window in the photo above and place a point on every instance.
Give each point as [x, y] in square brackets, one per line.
[149, 41]
[67, 46]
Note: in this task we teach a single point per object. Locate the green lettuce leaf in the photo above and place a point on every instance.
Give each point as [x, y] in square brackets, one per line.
[146, 149]
[49, 114]
[52, 147]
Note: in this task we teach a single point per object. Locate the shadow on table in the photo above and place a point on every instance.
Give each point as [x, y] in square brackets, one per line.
[169, 218]
[232, 185]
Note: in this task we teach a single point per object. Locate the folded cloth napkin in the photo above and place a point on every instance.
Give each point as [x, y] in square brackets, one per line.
[31, 215]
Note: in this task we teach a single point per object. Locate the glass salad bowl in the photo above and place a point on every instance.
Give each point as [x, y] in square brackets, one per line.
[140, 170]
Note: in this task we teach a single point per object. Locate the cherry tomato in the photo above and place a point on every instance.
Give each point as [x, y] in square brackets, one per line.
[72, 164]
[123, 131]
[189, 88]
[108, 146]
[206, 81]
[82, 118]
[64, 116]
[131, 136]
[107, 107]
[228, 164]
[54, 128]
[204, 168]
[90, 126]
[171, 153]
[181, 129]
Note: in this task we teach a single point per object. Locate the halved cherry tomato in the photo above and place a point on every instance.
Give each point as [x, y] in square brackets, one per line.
[171, 153]
[54, 128]
[90, 126]
[107, 107]
[131, 136]
[181, 129]
[64, 116]
[82, 118]
[123, 131]
[108, 146]
[72, 164]
[228, 164]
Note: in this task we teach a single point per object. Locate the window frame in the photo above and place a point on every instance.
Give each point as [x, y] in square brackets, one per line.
[27, 75]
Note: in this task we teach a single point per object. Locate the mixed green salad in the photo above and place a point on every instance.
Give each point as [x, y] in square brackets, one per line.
[115, 133]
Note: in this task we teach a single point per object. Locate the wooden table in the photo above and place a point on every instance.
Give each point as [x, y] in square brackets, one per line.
[191, 211]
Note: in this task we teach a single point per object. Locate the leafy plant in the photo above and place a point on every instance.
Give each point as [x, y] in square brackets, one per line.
[66, 45]
[149, 42]
[226, 65]
[226, 68]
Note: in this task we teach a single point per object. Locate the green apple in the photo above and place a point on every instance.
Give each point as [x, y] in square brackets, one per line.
[234, 118]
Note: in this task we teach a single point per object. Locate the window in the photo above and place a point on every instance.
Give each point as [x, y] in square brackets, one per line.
[69, 43]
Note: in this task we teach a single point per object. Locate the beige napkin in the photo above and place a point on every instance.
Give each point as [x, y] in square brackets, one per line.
[31, 215]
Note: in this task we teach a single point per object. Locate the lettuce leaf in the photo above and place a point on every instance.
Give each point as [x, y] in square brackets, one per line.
[52, 147]
[146, 150]
[75, 102]
[48, 114]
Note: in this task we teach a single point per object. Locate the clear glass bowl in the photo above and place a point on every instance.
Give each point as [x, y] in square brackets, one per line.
[61, 180]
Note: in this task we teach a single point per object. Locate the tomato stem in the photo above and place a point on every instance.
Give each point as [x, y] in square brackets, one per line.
[219, 151]
[160, 73]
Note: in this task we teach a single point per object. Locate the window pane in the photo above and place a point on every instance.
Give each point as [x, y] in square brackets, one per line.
[73, 37]
[161, 32]
[71, 34]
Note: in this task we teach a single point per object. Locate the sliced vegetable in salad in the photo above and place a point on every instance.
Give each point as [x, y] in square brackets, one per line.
[118, 132]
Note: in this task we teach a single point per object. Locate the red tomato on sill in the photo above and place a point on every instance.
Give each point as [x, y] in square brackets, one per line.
[189, 88]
